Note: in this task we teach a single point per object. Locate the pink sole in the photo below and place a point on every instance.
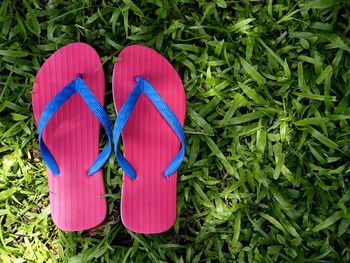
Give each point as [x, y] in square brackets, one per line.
[77, 200]
[148, 203]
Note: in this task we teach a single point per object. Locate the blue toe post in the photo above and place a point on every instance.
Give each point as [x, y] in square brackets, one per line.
[77, 85]
[143, 86]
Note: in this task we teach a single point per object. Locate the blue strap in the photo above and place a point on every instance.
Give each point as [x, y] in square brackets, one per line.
[143, 86]
[77, 85]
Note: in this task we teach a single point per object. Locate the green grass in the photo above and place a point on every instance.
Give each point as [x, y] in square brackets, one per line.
[266, 173]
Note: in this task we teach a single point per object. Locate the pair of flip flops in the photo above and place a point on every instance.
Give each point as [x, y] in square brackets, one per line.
[68, 98]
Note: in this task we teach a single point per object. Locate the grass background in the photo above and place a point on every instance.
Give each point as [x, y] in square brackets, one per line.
[266, 174]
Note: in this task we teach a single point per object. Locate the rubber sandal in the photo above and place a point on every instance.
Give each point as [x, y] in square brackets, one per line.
[68, 94]
[150, 100]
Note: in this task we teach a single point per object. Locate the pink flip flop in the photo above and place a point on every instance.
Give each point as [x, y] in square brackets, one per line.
[150, 100]
[67, 96]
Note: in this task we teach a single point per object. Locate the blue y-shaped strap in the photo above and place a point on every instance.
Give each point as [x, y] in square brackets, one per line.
[143, 86]
[77, 85]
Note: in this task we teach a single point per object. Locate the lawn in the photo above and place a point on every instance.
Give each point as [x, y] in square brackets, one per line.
[266, 173]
